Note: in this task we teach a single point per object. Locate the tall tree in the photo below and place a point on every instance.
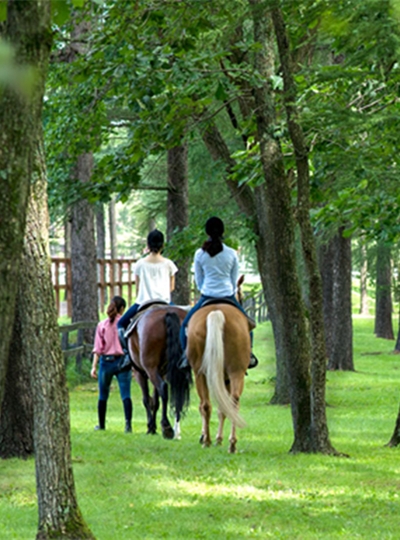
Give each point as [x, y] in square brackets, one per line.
[83, 251]
[383, 296]
[282, 258]
[59, 513]
[364, 310]
[19, 115]
[29, 27]
[341, 351]
[318, 366]
[178, 216]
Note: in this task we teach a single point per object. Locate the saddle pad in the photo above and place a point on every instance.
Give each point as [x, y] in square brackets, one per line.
[146, 306]
[251, 322]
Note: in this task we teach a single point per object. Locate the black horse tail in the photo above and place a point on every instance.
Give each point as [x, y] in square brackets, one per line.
[179, 380]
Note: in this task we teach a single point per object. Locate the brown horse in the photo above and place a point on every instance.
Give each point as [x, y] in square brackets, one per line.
[218, 351]
[155, 349]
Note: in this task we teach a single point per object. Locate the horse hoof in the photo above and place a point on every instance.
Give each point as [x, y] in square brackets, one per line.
[201, 439]
[151, 432]
[168, 433]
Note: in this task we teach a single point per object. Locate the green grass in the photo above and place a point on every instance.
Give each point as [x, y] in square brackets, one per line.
[144, 487]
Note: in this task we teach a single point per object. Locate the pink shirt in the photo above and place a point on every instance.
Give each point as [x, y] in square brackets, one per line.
[106, 340]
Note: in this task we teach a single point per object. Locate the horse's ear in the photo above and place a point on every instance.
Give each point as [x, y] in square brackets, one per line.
[240, 280]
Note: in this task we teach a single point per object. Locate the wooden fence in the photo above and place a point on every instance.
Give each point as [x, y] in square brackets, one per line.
[256, 307]
[74, 340]
[80, 347]
[114, 276]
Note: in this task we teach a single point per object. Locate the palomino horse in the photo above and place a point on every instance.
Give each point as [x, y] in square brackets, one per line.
[155, 349]
[218, 351]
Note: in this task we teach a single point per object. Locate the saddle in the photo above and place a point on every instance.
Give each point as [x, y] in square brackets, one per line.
[146, 306]
[224, 300]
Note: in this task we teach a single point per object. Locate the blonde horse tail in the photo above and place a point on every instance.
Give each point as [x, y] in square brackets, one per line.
[213, 367]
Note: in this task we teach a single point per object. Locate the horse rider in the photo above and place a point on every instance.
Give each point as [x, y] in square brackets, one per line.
[216, 270]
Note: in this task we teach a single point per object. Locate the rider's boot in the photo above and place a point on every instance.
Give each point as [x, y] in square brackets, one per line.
[123, 342]
[183, 363]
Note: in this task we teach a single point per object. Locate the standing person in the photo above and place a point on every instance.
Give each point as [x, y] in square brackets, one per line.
[154, 279]
[108, 350]
[216, 271]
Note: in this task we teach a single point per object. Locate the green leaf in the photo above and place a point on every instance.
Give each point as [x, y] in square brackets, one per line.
[61, 11]
[220, 93]
[3, 10]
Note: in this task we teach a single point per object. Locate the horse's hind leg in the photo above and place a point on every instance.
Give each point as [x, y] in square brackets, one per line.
[220, 433]
[162, 389]
[205, 410]
[148, 402]
[236, 388]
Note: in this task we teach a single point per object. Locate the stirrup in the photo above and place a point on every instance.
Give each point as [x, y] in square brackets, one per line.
[253, 361]
[183, 363]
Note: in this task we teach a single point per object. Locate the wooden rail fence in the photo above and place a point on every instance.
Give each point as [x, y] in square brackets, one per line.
[114, 276]
[79, 347]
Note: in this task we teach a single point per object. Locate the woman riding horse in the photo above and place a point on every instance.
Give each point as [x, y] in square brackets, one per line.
[216, 270]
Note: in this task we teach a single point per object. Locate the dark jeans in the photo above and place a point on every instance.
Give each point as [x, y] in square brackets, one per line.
[126, 317]
[196, 307]
[107, 370]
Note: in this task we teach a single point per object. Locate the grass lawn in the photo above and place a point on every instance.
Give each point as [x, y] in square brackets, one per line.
[144, 487]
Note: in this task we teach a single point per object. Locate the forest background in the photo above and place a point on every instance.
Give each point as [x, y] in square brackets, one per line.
[281, 116]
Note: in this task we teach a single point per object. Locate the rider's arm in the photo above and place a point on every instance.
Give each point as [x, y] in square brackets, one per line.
[172, 284]
[137, 281]
[235, 272]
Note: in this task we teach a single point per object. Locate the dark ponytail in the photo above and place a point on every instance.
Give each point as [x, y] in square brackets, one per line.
[115, 307]
[215, 230]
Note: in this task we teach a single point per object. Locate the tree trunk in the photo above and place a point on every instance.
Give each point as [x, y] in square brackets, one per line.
[321, 442]
[282, 258]
[28, 32]
[383, 297]
[101, 244]
[397, 346]
[16, 419]
[341, 353]
[100, 232]
[395, 439]
[59, 514]
[363, 280]
[248, 203]
[83, 253]
[178, 216]
[112, 220]
[326, 255]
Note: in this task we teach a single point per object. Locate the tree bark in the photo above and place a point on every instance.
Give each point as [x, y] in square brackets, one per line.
[28, 32]
[100, 232]
[252, 205]
[383, 297]
[363, 280]
[83, 253]
[395, 439]
[178, 216]
[321, 442]
[341, 353]
[16, 419]
[282, 258]
[59, 514]
[326, 255]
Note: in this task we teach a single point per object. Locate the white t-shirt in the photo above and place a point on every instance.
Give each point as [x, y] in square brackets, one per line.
[154, 280]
